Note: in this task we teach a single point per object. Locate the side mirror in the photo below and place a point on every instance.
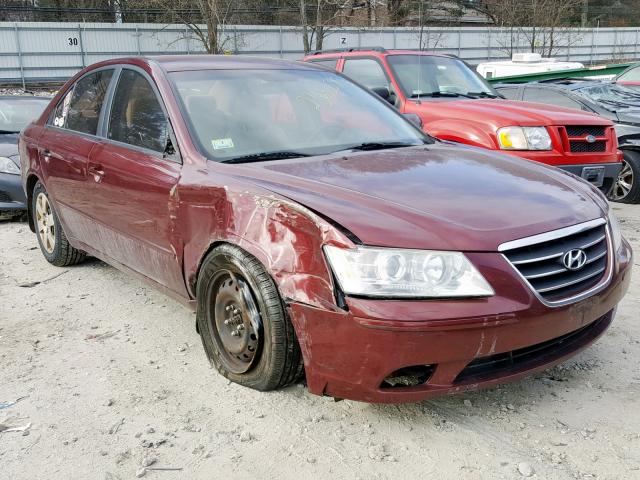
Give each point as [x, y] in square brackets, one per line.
[413, 118]
[382, 92]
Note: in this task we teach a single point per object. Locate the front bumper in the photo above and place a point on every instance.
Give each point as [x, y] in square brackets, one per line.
[467, 344]
[12, 197]
[611, 171]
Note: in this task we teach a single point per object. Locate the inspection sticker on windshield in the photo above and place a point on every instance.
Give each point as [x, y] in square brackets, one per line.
[221, 143]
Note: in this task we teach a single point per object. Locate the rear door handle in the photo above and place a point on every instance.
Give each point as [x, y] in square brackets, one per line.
[96, 170]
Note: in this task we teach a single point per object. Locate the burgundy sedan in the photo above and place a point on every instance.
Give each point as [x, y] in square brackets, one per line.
[316, 231]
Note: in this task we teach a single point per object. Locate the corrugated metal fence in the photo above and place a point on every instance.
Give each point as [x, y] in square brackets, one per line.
[34, 52]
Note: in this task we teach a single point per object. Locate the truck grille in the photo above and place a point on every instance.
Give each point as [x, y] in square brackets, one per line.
[574, 138]
[542, 260]
[580, 146]
[584, 130]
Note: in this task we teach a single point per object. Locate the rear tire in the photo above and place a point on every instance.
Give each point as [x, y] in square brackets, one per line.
[626, 187]
[243, 323]
[51, 237]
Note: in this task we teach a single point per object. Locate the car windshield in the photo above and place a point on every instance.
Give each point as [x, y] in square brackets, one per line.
[631, 75]
[431, 75]
[612, 97]
[285, 113]
[17, 113]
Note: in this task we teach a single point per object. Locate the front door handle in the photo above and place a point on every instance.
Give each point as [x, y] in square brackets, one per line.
[96, 170]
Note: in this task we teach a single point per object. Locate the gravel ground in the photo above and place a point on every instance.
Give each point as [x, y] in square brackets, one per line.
[113, 378]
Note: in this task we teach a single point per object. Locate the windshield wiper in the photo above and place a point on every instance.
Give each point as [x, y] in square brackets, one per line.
[5, 132]
[265, 156]
[482, 95]
[439, 94]
[366, 146]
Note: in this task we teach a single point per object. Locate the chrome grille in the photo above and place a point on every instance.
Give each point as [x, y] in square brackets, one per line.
[540, 260]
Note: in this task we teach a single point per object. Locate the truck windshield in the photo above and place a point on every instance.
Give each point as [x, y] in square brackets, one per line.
[256, 115]
[430, 75]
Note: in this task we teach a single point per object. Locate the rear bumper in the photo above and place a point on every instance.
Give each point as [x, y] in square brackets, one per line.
[467, 344]
[12, 197]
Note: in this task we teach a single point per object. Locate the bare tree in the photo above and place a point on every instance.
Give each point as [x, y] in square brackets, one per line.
[316, 22]
[208, 23]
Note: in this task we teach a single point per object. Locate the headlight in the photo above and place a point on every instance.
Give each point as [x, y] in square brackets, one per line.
[7, 166]
[524, 138]
[616, 232]
[392, 272]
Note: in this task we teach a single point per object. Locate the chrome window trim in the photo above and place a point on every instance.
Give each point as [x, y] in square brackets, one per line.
[524, 242]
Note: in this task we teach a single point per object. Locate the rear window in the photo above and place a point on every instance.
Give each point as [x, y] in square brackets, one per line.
[80, 109]
[329, 62]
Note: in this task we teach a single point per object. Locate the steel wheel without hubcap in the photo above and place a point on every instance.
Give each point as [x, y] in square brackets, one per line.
[235, 324]
[46, 223]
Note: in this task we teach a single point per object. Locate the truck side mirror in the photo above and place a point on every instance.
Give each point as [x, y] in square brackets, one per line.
[382, 92]
[413, 118]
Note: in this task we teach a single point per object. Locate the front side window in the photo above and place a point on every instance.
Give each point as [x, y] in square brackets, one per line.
[136, 116]
[430, 75]
[366, 71]
[510, 93]
[234, 113]
[80, 109]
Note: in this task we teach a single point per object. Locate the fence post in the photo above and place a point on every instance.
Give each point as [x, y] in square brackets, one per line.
[635, 46]
[15, 27]
[281, 42]
[187, 39]
[459, 42]
[359, 39]
[593, 39]
[138, 40]
[81, 45]
[489, 45]
[395, 40]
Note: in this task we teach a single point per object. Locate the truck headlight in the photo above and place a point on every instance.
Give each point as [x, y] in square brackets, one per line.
[524, 138]
[7, 166]
[403, 273]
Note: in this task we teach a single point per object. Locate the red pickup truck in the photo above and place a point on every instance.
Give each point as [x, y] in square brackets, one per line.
[454, 103]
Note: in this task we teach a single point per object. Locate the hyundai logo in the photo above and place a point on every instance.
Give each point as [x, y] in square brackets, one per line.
[590, 138]
[574, 259]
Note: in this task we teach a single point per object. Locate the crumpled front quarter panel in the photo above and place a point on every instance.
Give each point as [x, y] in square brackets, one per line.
[287, 238]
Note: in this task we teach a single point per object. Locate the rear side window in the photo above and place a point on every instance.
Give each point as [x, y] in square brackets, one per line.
[511, 93]
[136, 115]
[80, 109]
[543, 95]
[366, 71]
[329, 63]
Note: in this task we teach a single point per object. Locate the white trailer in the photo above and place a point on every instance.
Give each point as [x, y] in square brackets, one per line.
[523, 63]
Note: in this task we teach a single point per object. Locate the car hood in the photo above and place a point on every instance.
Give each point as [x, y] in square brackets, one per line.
[500, 113]
[631, 115]
[8, 144]
[439, 196]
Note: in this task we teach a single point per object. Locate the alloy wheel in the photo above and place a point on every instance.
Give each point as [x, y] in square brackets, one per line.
[623, 183]
[46, 223]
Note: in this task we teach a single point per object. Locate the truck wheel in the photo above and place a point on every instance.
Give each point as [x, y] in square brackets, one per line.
[626, 188]
[242, 321]
[53, 242]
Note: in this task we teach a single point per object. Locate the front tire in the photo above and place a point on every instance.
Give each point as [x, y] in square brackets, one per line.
[242, 322]
[626, 188]
[52, 240]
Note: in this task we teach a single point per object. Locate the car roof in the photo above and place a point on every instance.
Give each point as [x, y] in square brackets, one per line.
[174, 63]
[23, 96]
[381, 52]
